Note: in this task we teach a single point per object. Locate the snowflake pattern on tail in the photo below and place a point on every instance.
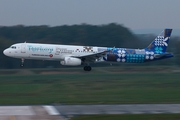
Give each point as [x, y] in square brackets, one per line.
[160, 43]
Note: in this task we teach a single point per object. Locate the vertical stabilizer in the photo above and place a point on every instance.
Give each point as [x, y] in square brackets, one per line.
[160, 44]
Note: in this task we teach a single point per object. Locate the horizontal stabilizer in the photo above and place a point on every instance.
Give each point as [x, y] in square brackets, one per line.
[163, 55]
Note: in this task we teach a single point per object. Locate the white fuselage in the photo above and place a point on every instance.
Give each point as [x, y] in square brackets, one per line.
[48, 51]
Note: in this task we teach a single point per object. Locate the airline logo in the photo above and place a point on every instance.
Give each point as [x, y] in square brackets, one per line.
[161, 41]
[51, 55]
[39, 49]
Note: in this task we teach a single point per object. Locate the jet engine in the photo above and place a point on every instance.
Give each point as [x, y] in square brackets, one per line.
[71, 61]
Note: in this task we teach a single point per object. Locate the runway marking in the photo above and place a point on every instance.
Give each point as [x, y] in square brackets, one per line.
[51, 110]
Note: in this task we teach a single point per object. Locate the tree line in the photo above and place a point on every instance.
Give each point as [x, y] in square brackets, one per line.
[111, 35]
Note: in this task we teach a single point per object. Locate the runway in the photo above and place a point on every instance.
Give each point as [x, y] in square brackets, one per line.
[62, 112]
[29, 113]
[118, 109]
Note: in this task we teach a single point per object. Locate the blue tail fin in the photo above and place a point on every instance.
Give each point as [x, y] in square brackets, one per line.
[160, 44]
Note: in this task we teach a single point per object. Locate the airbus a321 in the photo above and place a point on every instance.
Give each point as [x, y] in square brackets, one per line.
[84, 55]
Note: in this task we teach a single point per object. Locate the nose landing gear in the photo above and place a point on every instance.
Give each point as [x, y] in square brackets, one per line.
[22, 62]
[87, 68]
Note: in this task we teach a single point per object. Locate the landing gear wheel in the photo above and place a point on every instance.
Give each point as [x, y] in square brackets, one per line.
[22, 65]
[87, 68]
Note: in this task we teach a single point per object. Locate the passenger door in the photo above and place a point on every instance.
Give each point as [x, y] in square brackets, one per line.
[23, 48]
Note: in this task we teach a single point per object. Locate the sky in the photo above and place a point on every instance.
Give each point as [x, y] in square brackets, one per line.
[133, 14]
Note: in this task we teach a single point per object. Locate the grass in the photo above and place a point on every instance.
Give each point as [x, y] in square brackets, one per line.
[101, 86]
[109, 85]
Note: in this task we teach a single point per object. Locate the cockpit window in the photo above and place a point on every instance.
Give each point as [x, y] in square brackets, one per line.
[13, 47]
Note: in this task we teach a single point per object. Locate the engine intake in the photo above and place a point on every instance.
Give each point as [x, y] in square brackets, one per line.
[71, 61]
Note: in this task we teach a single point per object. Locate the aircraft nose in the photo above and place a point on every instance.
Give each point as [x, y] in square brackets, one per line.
[6, 52]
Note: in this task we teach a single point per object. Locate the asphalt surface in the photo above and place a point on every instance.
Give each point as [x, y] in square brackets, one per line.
[63, 112]
[29, 113]
[118, 109]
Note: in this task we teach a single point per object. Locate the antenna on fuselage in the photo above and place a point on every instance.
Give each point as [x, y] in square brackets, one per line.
[113, 48]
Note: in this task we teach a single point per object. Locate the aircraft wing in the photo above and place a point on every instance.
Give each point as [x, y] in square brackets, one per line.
[92, 57]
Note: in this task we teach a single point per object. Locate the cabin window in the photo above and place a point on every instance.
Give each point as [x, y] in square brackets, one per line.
[13, 47]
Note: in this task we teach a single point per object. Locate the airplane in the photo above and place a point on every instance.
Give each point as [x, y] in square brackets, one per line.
[71, 55]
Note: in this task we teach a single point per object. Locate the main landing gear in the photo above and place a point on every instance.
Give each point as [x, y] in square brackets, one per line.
[22, 62]
[87, 68]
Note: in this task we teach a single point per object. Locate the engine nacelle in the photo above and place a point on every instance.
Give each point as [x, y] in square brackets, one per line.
[71, 61]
